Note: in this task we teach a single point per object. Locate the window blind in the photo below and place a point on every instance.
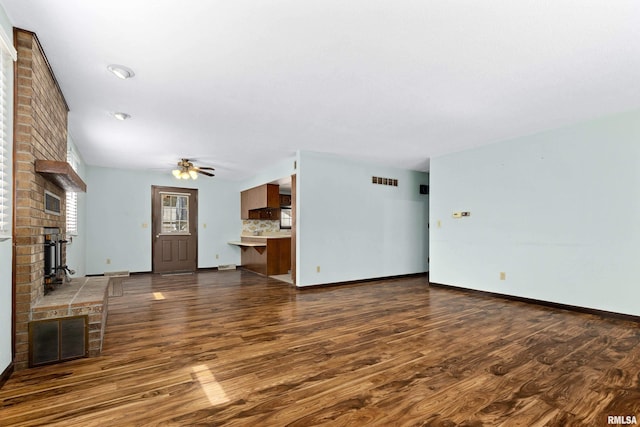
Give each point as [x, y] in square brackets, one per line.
[72, 197]
[5, 173]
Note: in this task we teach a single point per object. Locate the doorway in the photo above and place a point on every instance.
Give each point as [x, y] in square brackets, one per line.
[174, 227]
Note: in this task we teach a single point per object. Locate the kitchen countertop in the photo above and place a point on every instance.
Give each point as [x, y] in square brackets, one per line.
[276, 236]
[250, 244]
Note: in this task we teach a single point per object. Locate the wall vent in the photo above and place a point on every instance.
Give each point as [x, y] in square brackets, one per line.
[52, 203]
[384, 181]
[57, 340]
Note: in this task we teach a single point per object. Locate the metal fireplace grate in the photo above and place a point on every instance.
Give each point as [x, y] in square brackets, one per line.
[57, 340]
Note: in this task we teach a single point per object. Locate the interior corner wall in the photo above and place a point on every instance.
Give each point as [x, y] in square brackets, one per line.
[353, 229]
[118, 219]
[557, 212]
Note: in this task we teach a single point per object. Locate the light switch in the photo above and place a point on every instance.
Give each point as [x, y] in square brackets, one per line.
[457, 214]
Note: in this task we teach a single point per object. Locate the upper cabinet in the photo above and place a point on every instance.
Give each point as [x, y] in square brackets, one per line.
[262, 202]
[285, 200]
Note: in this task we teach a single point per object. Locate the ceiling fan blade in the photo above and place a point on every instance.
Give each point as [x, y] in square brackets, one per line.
[205, 168]
[204, 173]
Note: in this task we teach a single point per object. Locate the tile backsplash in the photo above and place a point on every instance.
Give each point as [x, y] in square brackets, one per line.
[263, 226]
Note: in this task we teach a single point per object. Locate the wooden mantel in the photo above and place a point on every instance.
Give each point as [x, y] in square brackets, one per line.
[61, 174]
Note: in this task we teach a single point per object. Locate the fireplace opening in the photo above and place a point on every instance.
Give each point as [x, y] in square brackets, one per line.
[55, 271]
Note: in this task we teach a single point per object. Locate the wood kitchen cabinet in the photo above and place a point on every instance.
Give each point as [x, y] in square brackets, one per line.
[265, 199]
[273, 214]
[244, 204]
[272, 259]
[285, 200]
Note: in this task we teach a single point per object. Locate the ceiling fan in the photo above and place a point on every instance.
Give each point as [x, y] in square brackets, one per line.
[187, 170]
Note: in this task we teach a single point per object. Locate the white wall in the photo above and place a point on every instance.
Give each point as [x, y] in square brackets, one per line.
[354, 229]
[6, 252]
[119, 207]
[558, 212]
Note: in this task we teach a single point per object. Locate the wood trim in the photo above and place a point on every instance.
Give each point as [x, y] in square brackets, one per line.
[294, 227]
[556, 305]
[203, 269]
[131, 273]
[363, 281]
[13, 209]
[46, 60]
[61, 174]
[6, 374]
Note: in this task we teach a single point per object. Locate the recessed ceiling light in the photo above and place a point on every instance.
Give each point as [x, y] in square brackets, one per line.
[121, 116]
[121, 71]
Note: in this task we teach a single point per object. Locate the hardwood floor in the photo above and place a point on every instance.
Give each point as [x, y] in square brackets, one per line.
[234, 348]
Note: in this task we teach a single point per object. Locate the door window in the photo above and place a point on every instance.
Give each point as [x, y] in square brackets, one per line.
[175, 213]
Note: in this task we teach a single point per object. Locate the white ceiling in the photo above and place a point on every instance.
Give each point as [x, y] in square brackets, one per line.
[241, 84]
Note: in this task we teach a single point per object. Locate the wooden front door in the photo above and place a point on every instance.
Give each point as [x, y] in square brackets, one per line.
[174, 229]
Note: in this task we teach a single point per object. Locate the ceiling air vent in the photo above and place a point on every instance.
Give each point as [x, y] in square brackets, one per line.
[384, 181]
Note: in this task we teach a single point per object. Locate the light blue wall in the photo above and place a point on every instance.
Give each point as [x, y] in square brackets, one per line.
[119, 207]
[76, 248]
[557, 212]
[6, 252]
[272, 173]
[354, 229]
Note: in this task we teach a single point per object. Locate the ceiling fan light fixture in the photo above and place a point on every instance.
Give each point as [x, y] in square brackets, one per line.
[121, 116]
[121, 71]
[186, 170]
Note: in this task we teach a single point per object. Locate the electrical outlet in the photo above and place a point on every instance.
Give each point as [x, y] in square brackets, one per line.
[108, 260]
[145, 225]
[205, 226]
[439, 223]
[318, 269]
[503, 275]
[217, 256]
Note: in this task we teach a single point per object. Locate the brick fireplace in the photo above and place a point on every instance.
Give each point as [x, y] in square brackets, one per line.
[40, 133]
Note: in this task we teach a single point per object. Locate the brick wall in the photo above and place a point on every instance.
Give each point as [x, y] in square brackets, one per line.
[40, 133]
